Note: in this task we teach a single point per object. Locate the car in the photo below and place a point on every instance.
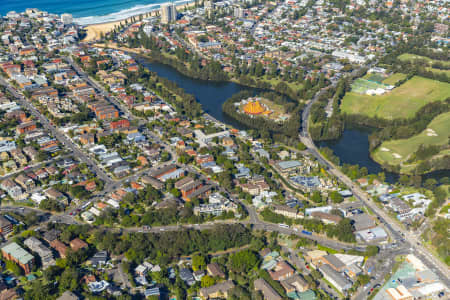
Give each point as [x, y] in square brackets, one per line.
[71, 213]
[161, 229]
[371, 289]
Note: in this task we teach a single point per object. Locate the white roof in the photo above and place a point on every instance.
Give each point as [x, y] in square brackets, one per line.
[95, 211]
[350, 259]
[113, 203]
[141, 269]
[417, 263]
[432, 288]
[399, 293]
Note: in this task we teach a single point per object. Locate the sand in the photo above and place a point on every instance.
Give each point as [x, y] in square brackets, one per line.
[396, 155]
[94, 31]
[431, 132]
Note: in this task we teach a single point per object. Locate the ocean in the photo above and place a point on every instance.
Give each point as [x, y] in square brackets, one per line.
[87, 11]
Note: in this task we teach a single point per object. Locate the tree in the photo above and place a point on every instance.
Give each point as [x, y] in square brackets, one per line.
[175, 192]
[301, 146]
[207, 281]
[14, 268]
[316, 197]
[198, 262]
[372, 250]
[41, 156]
[316, 274]
[243, 261]
[69, 280]
[336, 197]
[430, 183]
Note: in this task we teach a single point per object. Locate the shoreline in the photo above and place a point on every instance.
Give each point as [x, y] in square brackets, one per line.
[95, 30]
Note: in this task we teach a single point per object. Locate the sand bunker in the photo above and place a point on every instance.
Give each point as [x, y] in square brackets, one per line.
[396, 155]
[431, 132]
[384, 149]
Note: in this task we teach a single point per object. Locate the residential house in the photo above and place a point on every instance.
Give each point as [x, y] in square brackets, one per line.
[187, 276]
[13, 190]
[268, 291]
[6, 227]
[99, 259]
[51, 235]
[54, 194]
[214, 270]
[77, 244]
[281, 271]
[217, 291]
[60, 247]
[30, 152]
[25, 182]
[68, 295]
[295, 283]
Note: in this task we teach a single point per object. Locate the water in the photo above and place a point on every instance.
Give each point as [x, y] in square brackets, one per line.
[351, 148]
[210, 94]
[87, 11]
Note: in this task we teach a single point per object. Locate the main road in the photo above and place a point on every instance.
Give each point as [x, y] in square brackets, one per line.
[56, 133]
[396, 231]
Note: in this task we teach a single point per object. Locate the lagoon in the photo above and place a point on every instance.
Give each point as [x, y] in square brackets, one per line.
[352, 147]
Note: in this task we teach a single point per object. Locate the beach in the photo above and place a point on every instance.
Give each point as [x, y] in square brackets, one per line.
[94, 31]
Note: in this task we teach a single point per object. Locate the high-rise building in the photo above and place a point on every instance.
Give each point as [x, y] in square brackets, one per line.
[66, 18]
[168, 13]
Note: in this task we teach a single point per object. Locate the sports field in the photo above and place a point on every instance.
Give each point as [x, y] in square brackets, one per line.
[398, 151]
[402, 102]
[375, 77]
[394, 78]
[361, 85]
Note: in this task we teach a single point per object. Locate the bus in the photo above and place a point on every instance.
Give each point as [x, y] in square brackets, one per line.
[283, 225]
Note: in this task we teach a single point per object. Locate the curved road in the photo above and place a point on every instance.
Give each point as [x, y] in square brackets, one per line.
[395, 230]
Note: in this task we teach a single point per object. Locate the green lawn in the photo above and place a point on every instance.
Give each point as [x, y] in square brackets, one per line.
[295, 86]
[394, 78]
[397, 151]
[437, 71]
[402, 102]
[411, 57]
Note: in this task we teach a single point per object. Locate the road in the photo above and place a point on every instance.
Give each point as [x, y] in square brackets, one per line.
[56, 133]
[301, 266]
[397, 232]
[33, 167]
